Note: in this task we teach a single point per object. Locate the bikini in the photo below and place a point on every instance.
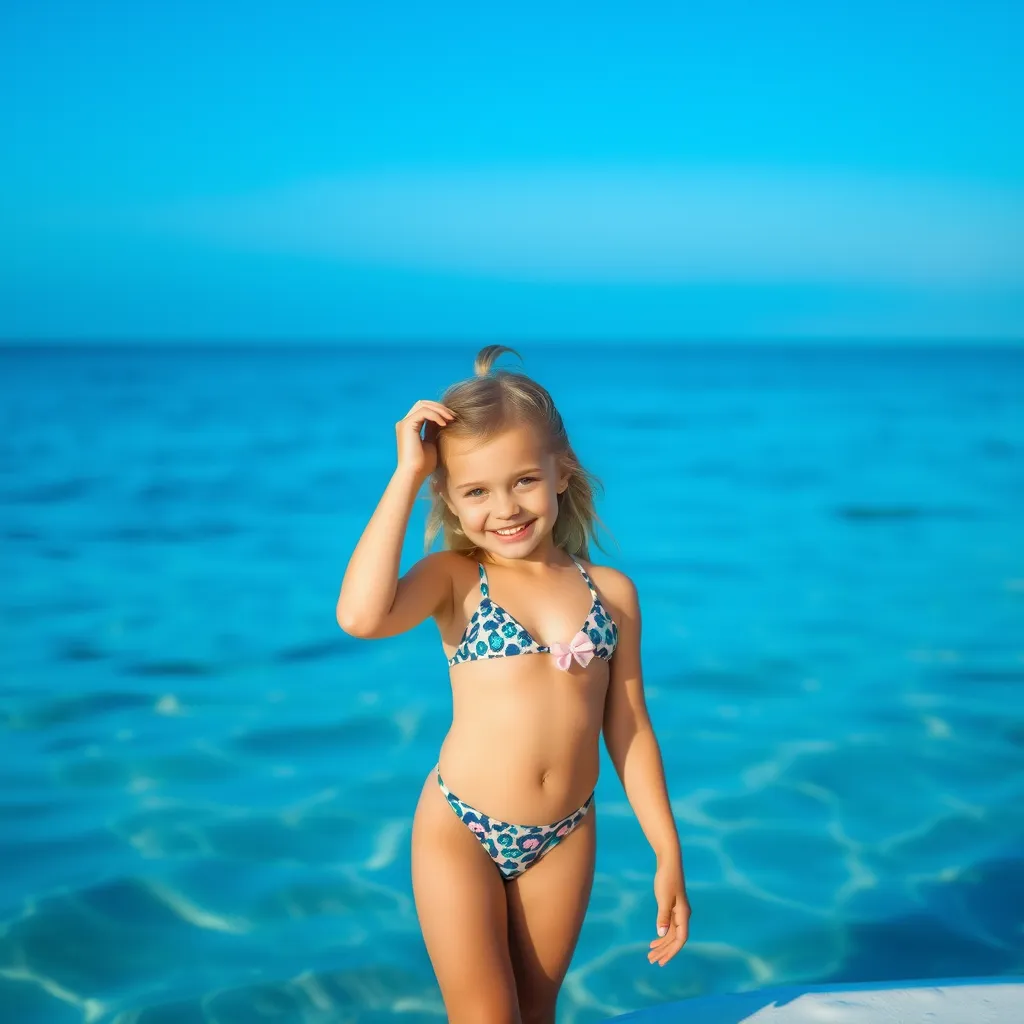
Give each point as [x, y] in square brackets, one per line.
[493, 632]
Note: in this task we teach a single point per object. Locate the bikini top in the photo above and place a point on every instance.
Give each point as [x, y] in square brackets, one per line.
[493, 633]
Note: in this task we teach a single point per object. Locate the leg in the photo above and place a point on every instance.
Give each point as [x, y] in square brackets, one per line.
[546, 907]
[460, 902]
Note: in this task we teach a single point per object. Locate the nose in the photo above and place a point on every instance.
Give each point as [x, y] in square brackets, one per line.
[506, 506]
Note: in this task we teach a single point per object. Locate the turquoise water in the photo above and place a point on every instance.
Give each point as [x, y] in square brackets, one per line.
[207, 788]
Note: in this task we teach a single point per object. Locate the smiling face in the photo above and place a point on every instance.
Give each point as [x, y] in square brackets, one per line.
[509, 481]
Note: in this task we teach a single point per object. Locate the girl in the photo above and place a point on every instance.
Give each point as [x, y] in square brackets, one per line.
[501, 885]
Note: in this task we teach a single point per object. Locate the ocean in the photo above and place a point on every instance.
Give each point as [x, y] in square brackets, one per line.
[207, 788]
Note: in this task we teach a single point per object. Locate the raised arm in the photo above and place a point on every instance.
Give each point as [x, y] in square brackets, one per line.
[373, 602]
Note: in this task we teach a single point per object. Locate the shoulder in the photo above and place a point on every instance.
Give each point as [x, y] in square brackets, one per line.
[459, 566]
[615, 587]
[448, 573]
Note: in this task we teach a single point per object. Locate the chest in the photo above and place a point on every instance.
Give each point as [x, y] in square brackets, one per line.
[558, 616]
[554, 625]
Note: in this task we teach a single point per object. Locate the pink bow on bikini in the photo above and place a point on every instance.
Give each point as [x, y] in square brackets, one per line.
[580, 647]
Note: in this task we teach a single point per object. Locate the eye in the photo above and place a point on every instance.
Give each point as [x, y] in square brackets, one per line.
[532, 479]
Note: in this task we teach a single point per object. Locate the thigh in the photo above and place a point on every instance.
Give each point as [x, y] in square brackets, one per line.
[460, 902]
[546, 907]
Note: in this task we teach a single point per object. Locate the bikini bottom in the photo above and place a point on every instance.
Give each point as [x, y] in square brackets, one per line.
[513, 848]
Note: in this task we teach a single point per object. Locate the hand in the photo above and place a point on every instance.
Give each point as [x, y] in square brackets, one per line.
[418, 455]
[673, 912]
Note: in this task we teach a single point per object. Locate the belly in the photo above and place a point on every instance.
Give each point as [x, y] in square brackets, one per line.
[523, 744]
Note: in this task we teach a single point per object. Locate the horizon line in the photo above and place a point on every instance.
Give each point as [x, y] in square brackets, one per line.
[995, 341]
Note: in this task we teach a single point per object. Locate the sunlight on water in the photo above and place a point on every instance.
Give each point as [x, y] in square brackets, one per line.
[207, 790]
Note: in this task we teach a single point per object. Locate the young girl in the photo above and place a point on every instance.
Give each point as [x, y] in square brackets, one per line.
[501, 885]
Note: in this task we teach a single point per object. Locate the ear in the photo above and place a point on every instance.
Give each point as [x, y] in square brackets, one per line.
[564, 477]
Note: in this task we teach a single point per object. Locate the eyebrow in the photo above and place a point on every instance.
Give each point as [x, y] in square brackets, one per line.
[480, 483]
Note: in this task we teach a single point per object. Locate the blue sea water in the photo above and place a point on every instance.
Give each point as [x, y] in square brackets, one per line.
[207, 788]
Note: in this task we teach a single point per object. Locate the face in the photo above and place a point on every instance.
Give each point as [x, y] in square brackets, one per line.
[509, 481]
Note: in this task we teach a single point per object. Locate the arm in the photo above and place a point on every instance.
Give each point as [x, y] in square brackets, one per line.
[372, 602]
[634, 751]
[628, 733]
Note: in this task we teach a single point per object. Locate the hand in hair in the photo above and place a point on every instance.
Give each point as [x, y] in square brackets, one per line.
[418, 455]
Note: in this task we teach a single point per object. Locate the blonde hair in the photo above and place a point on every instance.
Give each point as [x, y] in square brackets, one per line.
[484, 405]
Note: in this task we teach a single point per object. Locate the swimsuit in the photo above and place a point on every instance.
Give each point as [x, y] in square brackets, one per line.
[493, 633]
[513, 848]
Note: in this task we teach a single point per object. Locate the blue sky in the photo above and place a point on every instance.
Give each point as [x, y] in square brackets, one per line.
[449, 172]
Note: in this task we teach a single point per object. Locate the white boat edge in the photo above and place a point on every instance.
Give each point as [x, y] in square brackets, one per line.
[934, 1000]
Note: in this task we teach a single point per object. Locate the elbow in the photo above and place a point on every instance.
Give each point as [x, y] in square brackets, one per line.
[350, 624]
[619, 738]
[612, 746]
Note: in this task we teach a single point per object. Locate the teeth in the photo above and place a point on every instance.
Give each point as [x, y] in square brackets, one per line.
[511, 530]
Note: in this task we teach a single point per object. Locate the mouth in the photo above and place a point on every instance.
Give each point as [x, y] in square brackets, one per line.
[514, 532]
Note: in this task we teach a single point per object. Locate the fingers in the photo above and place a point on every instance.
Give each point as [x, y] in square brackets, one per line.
[416, 451]
[662, 950]
[425, 409]
[667, 947]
